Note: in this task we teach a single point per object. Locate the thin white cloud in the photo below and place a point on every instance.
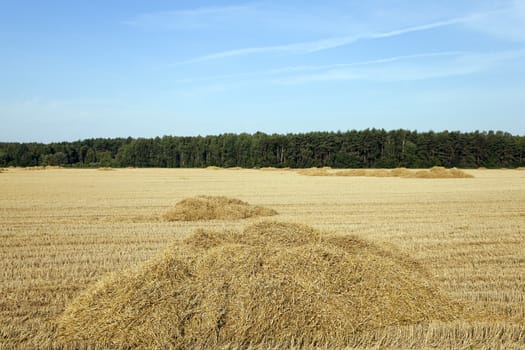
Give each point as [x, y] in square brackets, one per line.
[325, 44]
[384, 71]
[280, 71]
[190, 19]
[507, 23]
[258, 16]
[368, 62]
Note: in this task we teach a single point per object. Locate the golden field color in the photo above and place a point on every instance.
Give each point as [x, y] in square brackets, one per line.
[61, 230]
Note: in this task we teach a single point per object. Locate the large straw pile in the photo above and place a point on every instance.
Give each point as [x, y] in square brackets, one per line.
[215, 207]
[273, 285]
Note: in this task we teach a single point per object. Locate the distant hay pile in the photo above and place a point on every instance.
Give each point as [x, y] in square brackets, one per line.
[269, 168]
[315, 172]
[105, 169]
[43, 167]
[215, 208]
[432, 173]
[274, 285]
[32, 168]
[438, 172]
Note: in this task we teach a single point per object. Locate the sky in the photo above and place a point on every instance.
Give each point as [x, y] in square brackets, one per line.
[72, 70]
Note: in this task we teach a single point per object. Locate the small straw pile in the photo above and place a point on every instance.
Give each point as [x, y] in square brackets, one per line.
[215, 208]
[274, 285]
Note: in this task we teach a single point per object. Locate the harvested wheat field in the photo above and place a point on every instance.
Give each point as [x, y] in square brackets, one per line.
[84, 250]
[215, 208]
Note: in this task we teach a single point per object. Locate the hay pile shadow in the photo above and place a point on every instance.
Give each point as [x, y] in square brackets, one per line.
[215, 208]
[272, 285]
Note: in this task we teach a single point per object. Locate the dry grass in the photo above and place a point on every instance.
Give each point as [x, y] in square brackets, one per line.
[63, 230]
[275, 284]
[215, 208]
[520, 168]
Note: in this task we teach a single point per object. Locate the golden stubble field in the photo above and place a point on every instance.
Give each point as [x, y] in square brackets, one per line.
[63, 229]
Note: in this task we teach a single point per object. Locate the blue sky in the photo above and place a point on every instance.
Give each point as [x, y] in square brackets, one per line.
[116, 68]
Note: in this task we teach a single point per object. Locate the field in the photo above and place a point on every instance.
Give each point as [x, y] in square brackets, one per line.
[61, 230]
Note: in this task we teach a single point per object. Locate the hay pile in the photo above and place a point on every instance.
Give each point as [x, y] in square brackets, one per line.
[433, 173]
[439, 172]
[315, 172]
[272, 285]
[362, 172]
[43, 167]
[215, 208]
[269, 168]
[31, 168]
[105, 169]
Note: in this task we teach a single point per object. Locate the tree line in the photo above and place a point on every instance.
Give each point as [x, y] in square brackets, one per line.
[371, 148]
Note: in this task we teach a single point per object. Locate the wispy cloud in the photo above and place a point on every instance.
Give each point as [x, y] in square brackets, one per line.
[421, 66]
[368, 62]
[383, 70]
[507, 23]
[326, 44]
[191, 19]
[302, 69]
